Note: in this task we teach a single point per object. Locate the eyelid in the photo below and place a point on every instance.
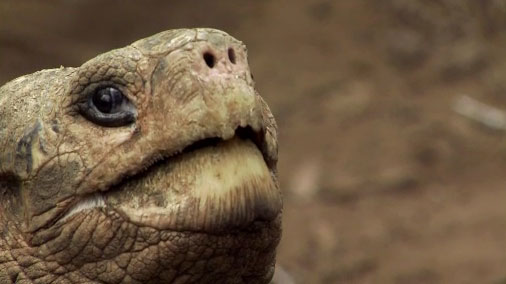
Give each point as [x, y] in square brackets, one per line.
[87, 109]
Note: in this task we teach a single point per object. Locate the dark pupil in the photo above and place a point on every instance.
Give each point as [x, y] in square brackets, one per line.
[107, 99]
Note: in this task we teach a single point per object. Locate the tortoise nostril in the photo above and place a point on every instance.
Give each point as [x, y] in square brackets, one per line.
[209, 59]
[231, 55]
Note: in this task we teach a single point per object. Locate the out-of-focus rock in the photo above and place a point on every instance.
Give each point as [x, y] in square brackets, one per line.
[406, 48]
[306, 179]
[281, 276]
[462, 59]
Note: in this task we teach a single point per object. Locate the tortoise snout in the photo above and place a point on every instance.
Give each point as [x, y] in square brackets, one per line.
[224, 58]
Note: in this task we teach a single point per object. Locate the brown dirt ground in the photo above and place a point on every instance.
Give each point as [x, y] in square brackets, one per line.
[383, 181]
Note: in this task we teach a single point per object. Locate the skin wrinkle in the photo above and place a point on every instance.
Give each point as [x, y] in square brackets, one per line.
[83, 245]
[57, 156]
[179, 100]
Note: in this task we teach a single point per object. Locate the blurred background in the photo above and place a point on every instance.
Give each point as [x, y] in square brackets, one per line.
[392, 159]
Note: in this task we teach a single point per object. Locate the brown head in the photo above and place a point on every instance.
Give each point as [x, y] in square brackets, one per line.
[153, 163]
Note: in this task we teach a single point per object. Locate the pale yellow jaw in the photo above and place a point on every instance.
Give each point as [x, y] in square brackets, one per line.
[210, 188]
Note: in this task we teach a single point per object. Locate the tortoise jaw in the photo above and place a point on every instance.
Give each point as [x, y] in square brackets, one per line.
[209, 188]
[212, 185]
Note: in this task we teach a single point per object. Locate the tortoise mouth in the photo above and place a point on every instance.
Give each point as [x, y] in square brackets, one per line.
[212, 185]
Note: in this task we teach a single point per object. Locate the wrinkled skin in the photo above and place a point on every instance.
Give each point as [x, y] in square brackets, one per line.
[183, 190]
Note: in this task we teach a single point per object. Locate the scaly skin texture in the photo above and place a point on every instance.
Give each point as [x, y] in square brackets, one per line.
[185, 192]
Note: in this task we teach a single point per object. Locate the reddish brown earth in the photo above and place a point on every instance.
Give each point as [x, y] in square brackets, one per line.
[383, 181]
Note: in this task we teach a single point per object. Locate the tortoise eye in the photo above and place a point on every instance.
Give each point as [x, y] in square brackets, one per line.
[108, 100]
[108, 107]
